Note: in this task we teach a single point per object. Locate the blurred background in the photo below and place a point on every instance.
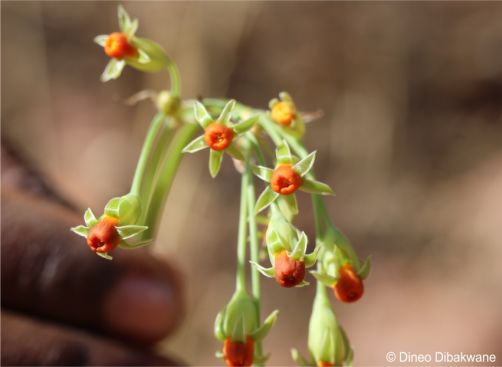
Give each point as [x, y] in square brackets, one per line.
[411, 141]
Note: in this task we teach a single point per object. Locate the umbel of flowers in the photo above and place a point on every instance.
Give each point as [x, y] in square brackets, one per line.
[246, 134]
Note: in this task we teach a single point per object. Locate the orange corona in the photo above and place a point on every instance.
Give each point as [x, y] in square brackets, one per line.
[288, 272]
[103, 237]
[349, 287]
[118, 47]
[283, 113]
[285, 180]
[238, 353]
[217, 136]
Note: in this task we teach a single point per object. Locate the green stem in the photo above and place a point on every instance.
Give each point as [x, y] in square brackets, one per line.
[174, 75]
[167, 172]
[146, 151]
[254, 247]
[242, 236]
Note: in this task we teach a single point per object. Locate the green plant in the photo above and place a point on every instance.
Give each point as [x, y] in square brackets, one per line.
[239, 131]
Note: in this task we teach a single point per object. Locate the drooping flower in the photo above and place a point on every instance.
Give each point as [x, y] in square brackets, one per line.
[219, 135]
[327, 342]
[286, 248]
[115, 228]
[124, 48]
[288, 176]
[237, 327]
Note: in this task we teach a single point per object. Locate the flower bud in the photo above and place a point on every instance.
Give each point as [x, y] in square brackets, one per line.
[349, 286]
[167, 103]
[218, 136]
[238, 353]
[285, 180]
[283, 113]
[327, 342]
[103, 237]
[117, 46]
[288, 271]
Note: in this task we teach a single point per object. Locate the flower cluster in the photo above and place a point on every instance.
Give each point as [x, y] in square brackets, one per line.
[246, 134]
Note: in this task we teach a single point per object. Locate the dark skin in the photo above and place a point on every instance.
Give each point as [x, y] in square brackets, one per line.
[62, 304]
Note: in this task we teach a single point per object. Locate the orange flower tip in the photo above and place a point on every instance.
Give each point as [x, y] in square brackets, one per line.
[349, 287]
[117, 46]
[218, 136]
[288, 272]
[283, 113]
[238, 353]
[103, 237]
[324, 364]
[285, 180]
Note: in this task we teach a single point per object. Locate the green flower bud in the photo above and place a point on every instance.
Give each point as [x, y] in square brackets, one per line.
[152, 57]
[168, 103]
[327, 341]
[238, 319]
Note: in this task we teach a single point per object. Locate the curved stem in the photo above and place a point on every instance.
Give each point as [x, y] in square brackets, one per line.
[174, 75]
[167, 173]
[148, 145]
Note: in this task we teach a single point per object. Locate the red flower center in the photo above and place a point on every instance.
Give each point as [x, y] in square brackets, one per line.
[288, 272]
[118, 46]
[217, 136]
[349, 287]
[285, 180]
[238, 353]
[103, 237]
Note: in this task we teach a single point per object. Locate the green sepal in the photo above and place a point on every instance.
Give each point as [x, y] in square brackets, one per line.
[316, 187]
[226, 113]
[268, 272]
[283, 153]
[299, 359]
[124, 19]
[215, 158]
[262, 172]
[275, 243]
[235, 152]
[266, 198]
[325, 279]
[201, 115]
[311, 259]
[305, 165]
[112, 207]
[303, 283]
[288, 206]
[89, 218]
[129, 231]
[365, 268]
[301, 246]
[264, 329]
[286, 97]
[143, 57]
[112, 70]
[239, 317]
[80, 230]
[104, 255]
[272, 102]
[101, 39]
[219, 354]
[132, 244]
[158, 59]
[245, 125]
[129, 209]
[196, 145]
[218, 327]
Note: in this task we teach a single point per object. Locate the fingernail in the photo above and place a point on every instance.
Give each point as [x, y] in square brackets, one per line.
[141, 309]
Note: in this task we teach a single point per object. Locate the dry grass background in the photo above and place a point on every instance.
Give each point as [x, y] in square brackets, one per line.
[411, 140]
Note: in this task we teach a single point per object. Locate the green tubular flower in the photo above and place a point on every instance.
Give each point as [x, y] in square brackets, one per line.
[286, 248]
[288, 176]
[116, 227]
[219, 135]
[237, 324]
[327, 342]
[124, 48]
